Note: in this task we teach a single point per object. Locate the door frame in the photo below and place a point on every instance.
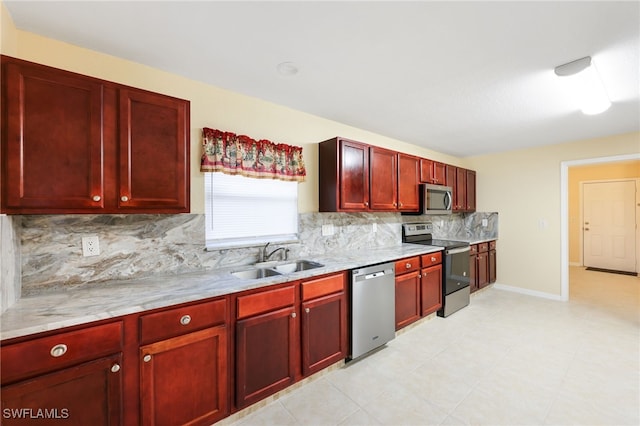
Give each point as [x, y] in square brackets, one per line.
[564, 212]
[581, 201]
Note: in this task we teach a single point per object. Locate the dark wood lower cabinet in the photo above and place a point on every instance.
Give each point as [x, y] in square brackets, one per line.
[324, 332]
[407, 299]
[86, 394]
[183, 380]
[431, 291]
[265, 355]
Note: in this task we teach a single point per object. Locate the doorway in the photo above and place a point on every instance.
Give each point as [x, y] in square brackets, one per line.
[609, 225]
[565, 219]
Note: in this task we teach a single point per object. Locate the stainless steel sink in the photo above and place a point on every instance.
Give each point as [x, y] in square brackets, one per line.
[284, 268]
[300, 265]
[252, 274]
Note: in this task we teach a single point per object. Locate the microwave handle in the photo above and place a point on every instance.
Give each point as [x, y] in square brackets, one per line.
[447, 200]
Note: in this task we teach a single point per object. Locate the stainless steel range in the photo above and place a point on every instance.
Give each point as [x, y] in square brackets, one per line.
[455, 267]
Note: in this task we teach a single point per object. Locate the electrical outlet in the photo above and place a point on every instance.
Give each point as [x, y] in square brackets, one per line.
[374, 227]
[327, 230]
[90, 246]
[485, 222]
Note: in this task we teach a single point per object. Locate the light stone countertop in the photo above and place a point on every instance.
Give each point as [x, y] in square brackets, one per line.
[63, 308]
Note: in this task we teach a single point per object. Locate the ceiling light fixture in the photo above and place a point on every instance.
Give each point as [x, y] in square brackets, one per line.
[287, 69]
[584, 85]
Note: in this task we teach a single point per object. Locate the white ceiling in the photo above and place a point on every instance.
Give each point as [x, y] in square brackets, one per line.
[462, 78]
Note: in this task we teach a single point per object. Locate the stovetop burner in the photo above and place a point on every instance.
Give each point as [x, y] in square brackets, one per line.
[421, 233]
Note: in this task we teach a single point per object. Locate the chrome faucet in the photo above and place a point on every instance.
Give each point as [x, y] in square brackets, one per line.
[263, 256]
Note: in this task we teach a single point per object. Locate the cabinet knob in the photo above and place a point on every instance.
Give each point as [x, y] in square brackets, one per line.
[186, 319]
[401, 205]
[293, 315]
[433, 259]
[115, 368]
[147, 358]
[366, 203]
[97, 198]
[395, 204]
[408, 266]
[307, 310]
[124, 198]
[58, 350]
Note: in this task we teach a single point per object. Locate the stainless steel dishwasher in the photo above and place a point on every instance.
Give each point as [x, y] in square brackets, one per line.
[373, 308]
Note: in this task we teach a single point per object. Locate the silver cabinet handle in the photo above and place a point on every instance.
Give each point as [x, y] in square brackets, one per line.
[293, 315]
[433, 259]
[97, 198]
[366, 203]
[58, 350]
[124, 198]
[147, 358]
[307, 310]
[186, 319]
[408, 266]
[115, 368]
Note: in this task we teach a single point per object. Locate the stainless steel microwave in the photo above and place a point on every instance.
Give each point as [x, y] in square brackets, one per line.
[436, 199]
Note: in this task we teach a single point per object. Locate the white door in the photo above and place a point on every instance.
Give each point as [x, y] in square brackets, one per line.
[609, 229]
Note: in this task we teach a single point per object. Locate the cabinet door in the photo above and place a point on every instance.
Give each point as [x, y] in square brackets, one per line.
[460, 193]
[87, 394]
[431, 289]
[439, 175]
[426, 169]
[407, 299]
[265, 355]
[354, 176]
[473, 276]
[492, 266]
[408, 180]
[184, 379]
[154, 152]
[471, 191]
[52, 140]
[482, 269]
[324, 332]
[384, 179]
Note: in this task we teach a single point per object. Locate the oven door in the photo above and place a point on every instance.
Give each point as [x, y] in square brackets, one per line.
[456, 274]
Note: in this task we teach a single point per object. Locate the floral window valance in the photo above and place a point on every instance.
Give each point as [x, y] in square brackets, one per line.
[240, 155]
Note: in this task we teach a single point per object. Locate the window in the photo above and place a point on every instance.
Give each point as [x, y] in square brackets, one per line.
[241, 211]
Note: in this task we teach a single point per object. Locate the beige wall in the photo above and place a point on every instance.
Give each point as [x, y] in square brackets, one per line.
[523, 186]
[8, 32]
[578, 174]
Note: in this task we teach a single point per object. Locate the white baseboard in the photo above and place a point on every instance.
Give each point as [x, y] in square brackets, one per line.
[528, 292]
[575, 264]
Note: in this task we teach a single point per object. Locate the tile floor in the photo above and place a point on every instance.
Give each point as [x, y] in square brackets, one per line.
[507, 359]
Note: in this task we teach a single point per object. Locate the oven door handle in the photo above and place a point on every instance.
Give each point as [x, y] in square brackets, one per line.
[457, 250]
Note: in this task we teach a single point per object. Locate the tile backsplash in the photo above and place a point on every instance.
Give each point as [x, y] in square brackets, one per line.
[133, 246]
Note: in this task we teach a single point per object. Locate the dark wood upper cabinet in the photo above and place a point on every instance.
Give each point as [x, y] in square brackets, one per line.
[76, 144]
[343, 175]
[358, 177]
[471, 191]
[408, 179]
[384, 179]
[53, 141]
[154, 147]
[432, 172]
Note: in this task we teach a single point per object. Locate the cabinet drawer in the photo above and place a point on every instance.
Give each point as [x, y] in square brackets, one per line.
[265, 301]
[473, 249]
[483, 247]
[323, 286]
[177, 321]
[407, 265]
[492, 245]
[431, 259]
[61, 350]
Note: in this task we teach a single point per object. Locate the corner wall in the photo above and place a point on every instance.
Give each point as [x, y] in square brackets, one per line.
[525, 187]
